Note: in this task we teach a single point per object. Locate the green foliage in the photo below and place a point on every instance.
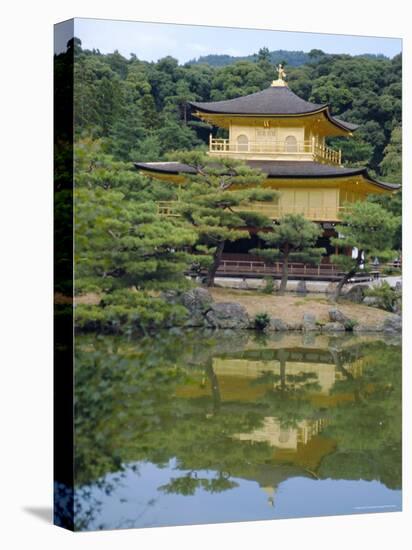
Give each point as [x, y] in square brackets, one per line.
[366, 226]
[293, 235]
[391, 165]
[350, 324]
[187, 485]
[393, 204]
[113, 382]
[290, 58]
[355, 151]
[370, 229]
[214, 202]
[293, 238]
[121, 244]
[123, 249]
[125, 311]
[389, 270]
[371, 448]
[388, 297]
[261, 321]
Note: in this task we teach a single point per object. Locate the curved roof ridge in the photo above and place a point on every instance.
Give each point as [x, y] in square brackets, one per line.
[270, 101]
[276, 169]
[274, 100]
[350, 126]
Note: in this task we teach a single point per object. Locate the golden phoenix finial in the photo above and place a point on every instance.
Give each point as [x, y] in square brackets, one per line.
[281, 72]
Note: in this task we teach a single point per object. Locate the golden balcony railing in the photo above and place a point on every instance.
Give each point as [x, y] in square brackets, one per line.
[272, 211]
[301, 150]
[326, 154]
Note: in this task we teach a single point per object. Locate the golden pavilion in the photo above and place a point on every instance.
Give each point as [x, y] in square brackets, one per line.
[284, 136]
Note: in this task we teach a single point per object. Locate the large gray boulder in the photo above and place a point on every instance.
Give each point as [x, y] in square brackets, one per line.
[336, 316]
[227, 315]
[309, 322]
[356, 293]
[392, 323]
[196, 300]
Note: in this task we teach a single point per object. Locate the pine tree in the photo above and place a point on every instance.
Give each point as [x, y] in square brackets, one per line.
[123, 250]
[369, 228]
[292, 238]
[215, 200]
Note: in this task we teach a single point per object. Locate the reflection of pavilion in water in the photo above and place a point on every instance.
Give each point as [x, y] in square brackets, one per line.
[327, 367]
[298, 444]
[283, 437]
[323, 366]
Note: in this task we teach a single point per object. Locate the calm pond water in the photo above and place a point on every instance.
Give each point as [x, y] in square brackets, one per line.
[202, 427]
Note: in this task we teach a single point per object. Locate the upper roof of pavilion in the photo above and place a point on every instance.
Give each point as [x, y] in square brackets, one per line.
[277, 100]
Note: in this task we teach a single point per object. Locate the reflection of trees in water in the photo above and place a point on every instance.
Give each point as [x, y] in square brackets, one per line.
[187, 484]
[368, 428]
[127, 410]
[214, 385]
[287, 396]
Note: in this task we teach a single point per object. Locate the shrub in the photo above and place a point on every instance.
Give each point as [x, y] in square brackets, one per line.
[388, 270]
[350, 324]
[123, 311]
[261, 321]
[387, 296]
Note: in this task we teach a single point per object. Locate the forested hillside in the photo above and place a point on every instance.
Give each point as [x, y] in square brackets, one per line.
[290, 58]
[139, 108]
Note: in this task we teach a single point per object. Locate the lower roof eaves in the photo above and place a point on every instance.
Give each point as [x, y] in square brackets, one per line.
[275, 170]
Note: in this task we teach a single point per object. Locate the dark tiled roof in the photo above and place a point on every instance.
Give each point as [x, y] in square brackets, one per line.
[275, 100]
[165, 167]
[292, 169]
[275, 169]
[347, 125]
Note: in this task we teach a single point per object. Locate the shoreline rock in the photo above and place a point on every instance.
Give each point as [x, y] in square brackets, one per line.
[336, 316]
[227, 315]
[309, 322]
[203, 311]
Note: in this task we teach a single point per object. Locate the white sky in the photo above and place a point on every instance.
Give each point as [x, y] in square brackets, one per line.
[151, 41]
